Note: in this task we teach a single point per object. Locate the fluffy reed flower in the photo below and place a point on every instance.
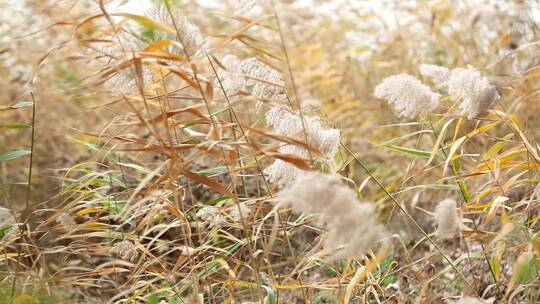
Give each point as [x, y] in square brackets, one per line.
[231, 77]
[186, 250]
[407, 95]
[126, 81]
[352, 226]
[262, 80]
[477, 93]
[212, 216]
[8, 224]
[125, 250]
[237, 212]
[67, 222]
[252, 76]
[283, 120]
[281, 172]
[286, 122]
[247, 8]
[440, 75]
[242, 5]
[447, 218]
[189, 35]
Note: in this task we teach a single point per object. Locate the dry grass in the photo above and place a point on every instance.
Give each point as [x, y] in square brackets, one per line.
[141, 153]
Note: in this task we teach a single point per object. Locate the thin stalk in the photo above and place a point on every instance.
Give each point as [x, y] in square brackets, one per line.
[406, 213]
[465, 198]
[26, 210]
[246, 138]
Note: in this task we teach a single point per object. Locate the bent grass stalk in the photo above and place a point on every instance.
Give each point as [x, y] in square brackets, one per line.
[409, 217]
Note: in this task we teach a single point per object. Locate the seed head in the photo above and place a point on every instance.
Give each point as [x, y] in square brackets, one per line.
[447, 218]
[440, 75]
[407, 95]
[477, 93]
[352, 226]
[67, 222]
[126, 250]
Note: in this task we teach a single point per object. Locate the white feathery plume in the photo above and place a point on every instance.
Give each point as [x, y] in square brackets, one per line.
[125, 250]
[407, 95]
[189, 34]
[439, 74]
[282, 173]
[286, 122]
[8, 224]
[119, 46]
[283, 120]
[242, 5]
[352, 226]
[447, 218]
[477, 93]
[66, 221]
[126, 81]
[192, 40]
[252, 76]
[231, 78]
[245, 7]
[211, 215]
[186, 250]
[262, 80]
[237, 212]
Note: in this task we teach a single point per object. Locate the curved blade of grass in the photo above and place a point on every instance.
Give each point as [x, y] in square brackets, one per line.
[10, 155]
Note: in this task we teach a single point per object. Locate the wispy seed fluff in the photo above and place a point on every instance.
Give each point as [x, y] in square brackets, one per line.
[282, 173]
[438, 74]
[477, 93]
[352, 226]
[252, 76]
[67, 222]
[126, 81]
[189, 35]
[407, 95]
[125, 250]
[211, 216]
[447, 218]
[231, 77]
[288, 123]
[243, 5]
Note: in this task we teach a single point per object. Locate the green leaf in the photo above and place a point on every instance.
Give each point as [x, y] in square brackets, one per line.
[153, 299]
[464, 191]
[433, 186]
[21, 104]
[16, 126]
[9, 155]
[212, 171]
[4, 230]
[414, 152]
[272, 298]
